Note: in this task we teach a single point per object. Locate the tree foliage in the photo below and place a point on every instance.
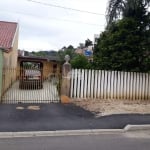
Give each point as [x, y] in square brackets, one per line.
[124, 45]
[88, 42]
[125, 8]
[80, 62]
[70, 50]
[43, 53]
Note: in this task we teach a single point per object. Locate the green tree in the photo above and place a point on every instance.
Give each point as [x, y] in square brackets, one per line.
[126, 8]
[80, 62]
[66, 51]
[88, 42]
[39, 53]
[124, 46]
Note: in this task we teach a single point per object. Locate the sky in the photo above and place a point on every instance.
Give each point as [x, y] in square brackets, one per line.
[45, 27]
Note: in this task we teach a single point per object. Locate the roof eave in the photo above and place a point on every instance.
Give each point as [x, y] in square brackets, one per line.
[31, 58]
[15, 35]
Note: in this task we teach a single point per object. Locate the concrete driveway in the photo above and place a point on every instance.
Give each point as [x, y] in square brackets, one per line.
[51, 117]
[15, 95]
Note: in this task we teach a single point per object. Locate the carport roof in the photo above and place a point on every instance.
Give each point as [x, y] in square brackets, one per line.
[40, 58]
[31, 58]
[35, 58]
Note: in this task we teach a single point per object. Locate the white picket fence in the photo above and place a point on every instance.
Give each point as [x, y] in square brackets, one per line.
[102, 84]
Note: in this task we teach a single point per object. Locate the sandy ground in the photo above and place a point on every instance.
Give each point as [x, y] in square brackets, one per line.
[107, 107]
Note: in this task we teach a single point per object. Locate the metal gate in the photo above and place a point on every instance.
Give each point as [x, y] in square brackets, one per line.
[30, 85]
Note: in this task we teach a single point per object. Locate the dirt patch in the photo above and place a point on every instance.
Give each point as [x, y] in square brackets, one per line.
[107, 107]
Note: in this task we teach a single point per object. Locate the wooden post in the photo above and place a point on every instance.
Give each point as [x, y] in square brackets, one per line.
[65, 85]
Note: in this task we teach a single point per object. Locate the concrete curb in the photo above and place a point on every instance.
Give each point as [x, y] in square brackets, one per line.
[137, 127]
[59, 133]
[128, 128]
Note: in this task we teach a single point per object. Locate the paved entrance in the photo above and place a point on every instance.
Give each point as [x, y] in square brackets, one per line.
[47, 94]
[30, 85]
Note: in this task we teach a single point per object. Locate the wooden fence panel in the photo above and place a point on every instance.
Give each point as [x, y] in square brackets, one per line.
[85, 83]
[99, 84]
[89, 85]
[110, 85]
[72, 84]
[78, 83]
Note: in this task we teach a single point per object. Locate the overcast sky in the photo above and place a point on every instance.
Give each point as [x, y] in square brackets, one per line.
[43, 27]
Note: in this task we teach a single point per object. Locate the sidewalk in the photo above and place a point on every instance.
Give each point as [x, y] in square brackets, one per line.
[52, 117]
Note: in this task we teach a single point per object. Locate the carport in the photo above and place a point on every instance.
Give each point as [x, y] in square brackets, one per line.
[50, 83]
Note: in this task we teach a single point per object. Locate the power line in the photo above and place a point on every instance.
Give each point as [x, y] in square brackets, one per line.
[65, 20]
[62, 7]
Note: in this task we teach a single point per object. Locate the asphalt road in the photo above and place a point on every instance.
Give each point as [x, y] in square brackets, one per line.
[125, 141]
[51, 117]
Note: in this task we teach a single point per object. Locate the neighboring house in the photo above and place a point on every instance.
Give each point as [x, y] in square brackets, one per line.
[50, 65]
[86, 51]
[79, 51]
[8, 53]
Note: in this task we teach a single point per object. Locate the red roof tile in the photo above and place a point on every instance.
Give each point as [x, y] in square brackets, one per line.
[7, 33]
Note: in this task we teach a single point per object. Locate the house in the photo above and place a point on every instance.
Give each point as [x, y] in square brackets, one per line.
[1, 67]
[50, 64]
[79, 51]
[8, 53]
[86, 51]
